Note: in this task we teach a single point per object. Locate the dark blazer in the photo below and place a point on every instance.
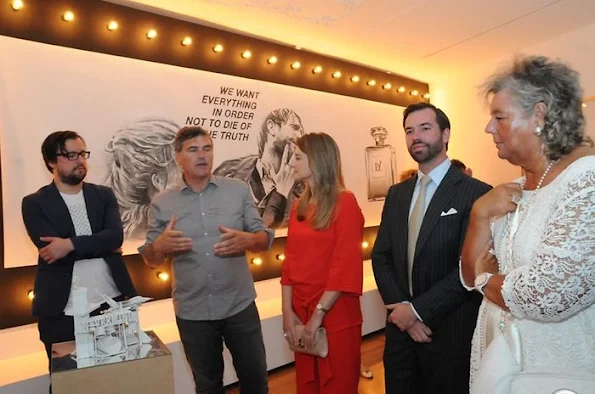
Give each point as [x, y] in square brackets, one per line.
[437, 291]
[45, 214]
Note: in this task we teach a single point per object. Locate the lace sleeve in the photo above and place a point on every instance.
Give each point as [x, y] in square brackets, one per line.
[561, 280]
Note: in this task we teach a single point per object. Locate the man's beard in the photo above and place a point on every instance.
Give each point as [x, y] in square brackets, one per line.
[431, 151]
[73, 178]
[278, 149]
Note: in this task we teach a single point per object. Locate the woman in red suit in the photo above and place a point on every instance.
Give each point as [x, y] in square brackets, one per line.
[323, 270]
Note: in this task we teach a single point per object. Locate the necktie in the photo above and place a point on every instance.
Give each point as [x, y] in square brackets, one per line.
[417, 217]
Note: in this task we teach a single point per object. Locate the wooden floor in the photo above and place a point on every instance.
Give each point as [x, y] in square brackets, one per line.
[282, 380]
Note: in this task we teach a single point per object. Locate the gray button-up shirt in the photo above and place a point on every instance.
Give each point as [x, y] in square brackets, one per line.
[206, 286]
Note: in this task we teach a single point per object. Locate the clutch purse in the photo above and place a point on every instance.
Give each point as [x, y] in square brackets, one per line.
[320, 348]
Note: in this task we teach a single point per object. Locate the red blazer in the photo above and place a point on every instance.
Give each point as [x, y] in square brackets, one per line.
[330, 259]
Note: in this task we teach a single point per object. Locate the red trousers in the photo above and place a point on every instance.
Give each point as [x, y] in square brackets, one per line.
[339, 372]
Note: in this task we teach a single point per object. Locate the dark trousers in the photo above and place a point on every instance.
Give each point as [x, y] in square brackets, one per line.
[56, 329]
[439, 367]
[203, 345]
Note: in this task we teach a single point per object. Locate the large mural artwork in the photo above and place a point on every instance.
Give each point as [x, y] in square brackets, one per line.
[129, 111]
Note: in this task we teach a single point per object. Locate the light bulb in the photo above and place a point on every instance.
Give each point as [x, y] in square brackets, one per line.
[355, 78]
[371, 82]
[218, 48]
[337, 74]
[187, 41]
[272, 60]
[365, 245]
[164, 276]
[68, 16]
[17, 5]
[151, 34]
[387, 86]
[296, 65]
[30, 295]
[246, 54]
[113, 25]
[317, 70]
[414, 93]
[257, 261]
[281, 256]
[401, 89]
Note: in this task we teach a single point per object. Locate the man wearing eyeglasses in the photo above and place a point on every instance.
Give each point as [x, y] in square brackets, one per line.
[77, 229]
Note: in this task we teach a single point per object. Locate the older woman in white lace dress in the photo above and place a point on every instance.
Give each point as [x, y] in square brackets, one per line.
[530, 245]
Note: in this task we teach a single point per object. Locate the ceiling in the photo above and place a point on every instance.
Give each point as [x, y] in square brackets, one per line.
[416, 38]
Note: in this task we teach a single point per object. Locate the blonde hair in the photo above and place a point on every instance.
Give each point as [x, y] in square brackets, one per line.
[324, 159]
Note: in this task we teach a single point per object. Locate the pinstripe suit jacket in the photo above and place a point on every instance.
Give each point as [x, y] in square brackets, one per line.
[438, 296]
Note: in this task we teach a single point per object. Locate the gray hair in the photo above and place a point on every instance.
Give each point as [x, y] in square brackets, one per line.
[536, 79]
[187, 133]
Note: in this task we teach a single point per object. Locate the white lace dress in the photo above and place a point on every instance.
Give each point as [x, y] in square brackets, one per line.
[549, 289]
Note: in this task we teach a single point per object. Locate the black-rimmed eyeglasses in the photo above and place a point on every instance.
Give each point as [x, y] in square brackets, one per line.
[72, 156]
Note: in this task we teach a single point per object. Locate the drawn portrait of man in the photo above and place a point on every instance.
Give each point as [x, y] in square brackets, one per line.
[141, 164]
[268, 173]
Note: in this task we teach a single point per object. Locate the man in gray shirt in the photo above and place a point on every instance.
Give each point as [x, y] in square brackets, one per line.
[205, 227]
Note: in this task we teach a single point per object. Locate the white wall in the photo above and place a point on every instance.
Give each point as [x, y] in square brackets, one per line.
[457, 95]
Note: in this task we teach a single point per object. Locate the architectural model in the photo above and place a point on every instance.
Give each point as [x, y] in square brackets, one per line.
[115, 333]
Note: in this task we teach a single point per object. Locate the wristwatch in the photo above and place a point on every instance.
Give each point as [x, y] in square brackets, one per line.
[319, 307]
[482, 280]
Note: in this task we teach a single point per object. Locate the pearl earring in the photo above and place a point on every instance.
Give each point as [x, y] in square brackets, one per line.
[538, 130]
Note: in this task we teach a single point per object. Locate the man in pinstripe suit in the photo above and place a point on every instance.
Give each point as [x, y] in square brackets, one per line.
[431, 317]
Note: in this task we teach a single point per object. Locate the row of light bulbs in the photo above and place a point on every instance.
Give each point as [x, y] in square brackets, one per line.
[281, 256]
[164, 276]
[256, 261]
[68, 16]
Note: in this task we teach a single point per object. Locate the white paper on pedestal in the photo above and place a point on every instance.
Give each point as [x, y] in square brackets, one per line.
[115, 332]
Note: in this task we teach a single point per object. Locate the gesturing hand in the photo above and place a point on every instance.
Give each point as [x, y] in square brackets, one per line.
[56, 249]
[283, 179]
[232, 242]
[172, 241]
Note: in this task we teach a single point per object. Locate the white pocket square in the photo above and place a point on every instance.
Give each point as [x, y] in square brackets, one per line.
[451, 211]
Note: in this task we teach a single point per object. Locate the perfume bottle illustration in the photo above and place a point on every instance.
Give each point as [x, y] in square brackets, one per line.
[381, 165]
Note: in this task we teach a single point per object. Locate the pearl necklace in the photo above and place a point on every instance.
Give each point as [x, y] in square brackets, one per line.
[509, 265]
